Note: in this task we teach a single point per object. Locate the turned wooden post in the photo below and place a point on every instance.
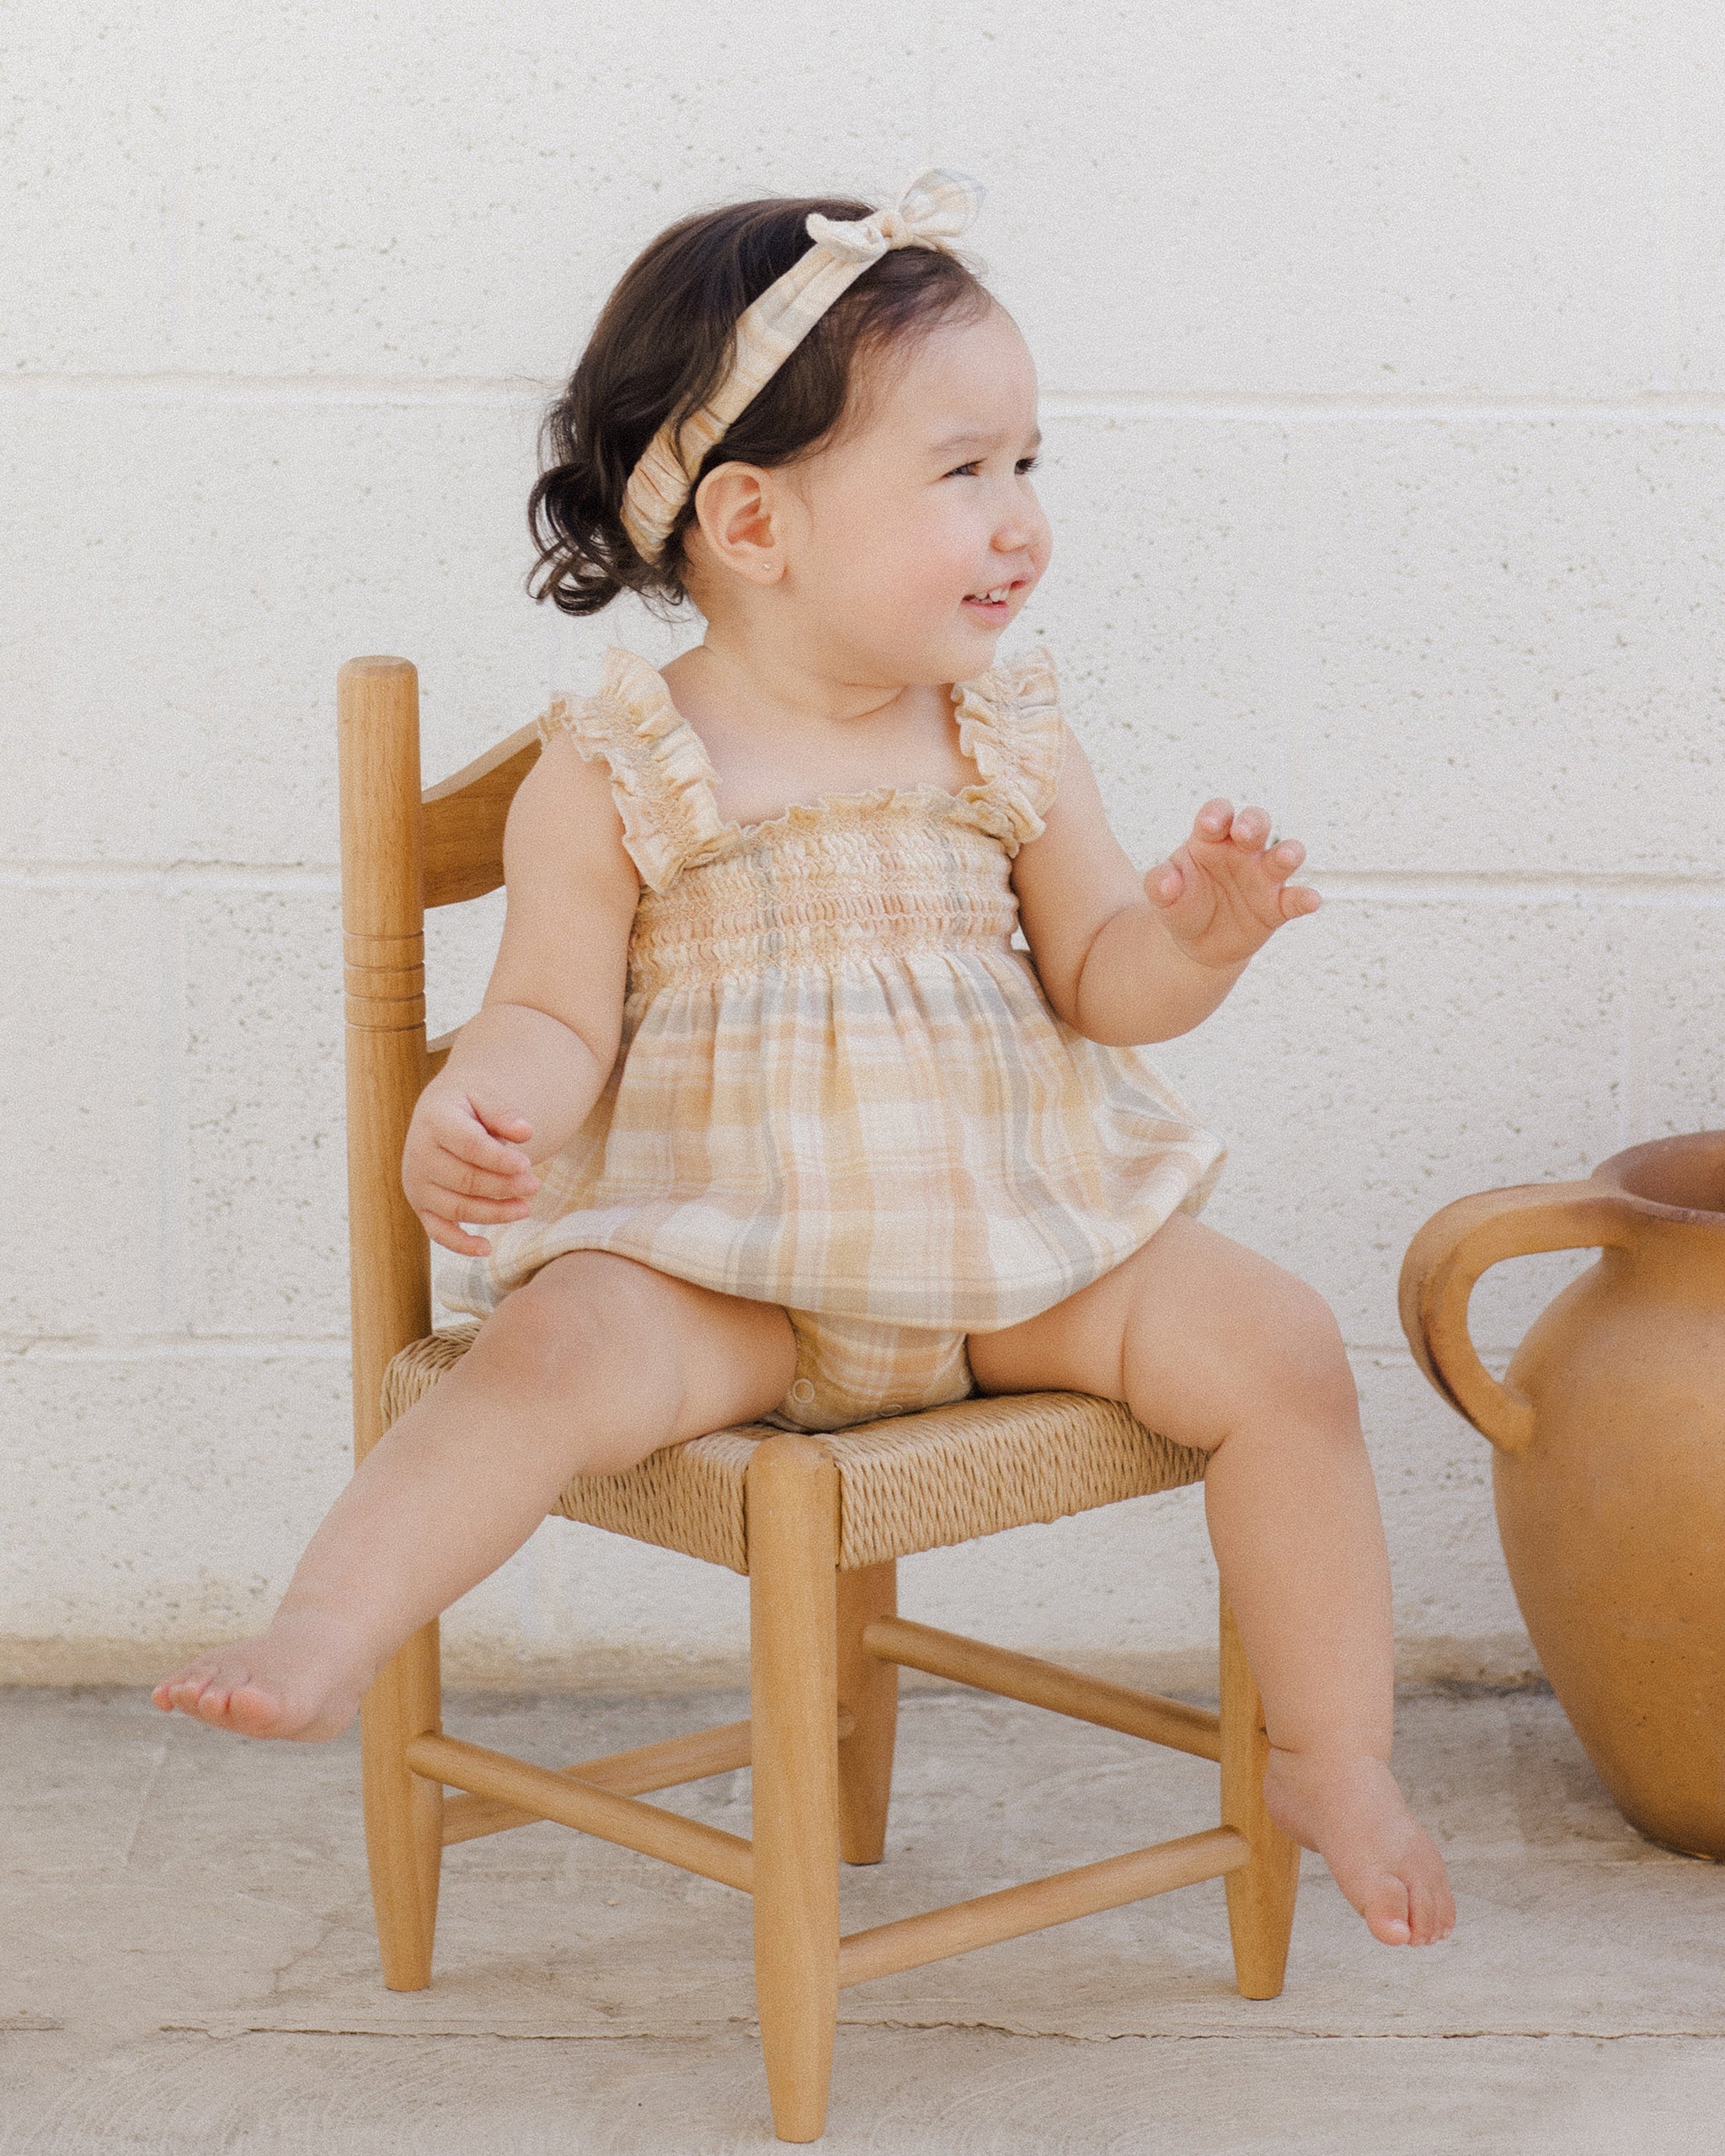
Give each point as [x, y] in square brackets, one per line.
[868, 1691]
[793, 1529]
[1260, 1894]
[383, 922]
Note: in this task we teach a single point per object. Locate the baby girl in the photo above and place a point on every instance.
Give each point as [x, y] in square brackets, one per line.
[767, 1115]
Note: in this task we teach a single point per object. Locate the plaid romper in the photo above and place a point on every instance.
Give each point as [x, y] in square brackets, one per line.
[839, 1087]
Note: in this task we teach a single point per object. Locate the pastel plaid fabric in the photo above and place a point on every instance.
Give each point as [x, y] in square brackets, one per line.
[840, 1089]
[852, 1370]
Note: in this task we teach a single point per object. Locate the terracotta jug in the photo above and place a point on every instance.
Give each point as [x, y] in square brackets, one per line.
[1609, 1459]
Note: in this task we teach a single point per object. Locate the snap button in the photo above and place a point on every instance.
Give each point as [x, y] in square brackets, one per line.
[802, 1390]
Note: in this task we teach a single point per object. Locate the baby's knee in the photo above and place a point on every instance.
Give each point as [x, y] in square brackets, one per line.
[1307, 1361]
[578, 1319]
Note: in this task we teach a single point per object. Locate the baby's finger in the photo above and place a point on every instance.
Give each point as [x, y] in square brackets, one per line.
[458, 1205]
[451, 1237]
[471, 1143]
[502, 1123]
[451, 1172]
[1212, 821]
[1252, 830]
[1163, 885]
[1298, 898]
[1282, 860]
[464, 1140]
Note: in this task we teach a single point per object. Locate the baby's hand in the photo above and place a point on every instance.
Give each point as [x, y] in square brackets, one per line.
[456, 1165]
[1225, 892]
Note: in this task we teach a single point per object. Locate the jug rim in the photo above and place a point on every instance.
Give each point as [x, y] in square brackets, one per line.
[1663, 1161]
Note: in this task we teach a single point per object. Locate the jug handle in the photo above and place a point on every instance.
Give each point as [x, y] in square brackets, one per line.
[1466, 1239]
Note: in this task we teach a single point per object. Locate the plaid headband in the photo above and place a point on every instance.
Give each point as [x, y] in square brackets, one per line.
[933, 210]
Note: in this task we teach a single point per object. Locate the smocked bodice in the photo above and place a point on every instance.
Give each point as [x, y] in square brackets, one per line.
[868, 880]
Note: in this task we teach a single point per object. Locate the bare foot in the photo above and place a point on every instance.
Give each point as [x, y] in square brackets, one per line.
[302, 1678]
[1349, 1808]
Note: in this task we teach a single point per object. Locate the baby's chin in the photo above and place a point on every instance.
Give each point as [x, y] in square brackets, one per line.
[978, 643]
[965, 646]
[951, 647]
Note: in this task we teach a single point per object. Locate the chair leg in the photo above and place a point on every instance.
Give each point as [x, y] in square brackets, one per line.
[404, 1813]
[1261, 1895]
[792, 1530]
[869, 1690]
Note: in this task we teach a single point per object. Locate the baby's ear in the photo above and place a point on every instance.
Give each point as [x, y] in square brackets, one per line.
[740, 515]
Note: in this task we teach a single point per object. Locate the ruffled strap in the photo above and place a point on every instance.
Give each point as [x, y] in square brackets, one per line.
[661, 777]
[1010, 727]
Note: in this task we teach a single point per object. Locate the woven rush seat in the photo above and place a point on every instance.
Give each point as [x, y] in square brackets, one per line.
[915, 1482]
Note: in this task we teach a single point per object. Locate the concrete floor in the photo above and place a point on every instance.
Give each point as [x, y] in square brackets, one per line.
[191, 1964]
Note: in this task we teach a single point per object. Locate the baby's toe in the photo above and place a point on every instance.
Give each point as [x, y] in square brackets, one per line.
[1388, 1909]
[169, 1685]
[252, 1712]
[1440, 1913]
[211, 1704]
[1430, 1907]
[181, 1690]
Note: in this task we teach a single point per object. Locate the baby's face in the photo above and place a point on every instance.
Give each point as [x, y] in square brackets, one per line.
[900, 529]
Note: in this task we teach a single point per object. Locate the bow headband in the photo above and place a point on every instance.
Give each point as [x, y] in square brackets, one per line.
[931, 212]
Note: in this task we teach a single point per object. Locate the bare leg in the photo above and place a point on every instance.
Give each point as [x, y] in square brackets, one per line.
[1218, 1348]
[593, 1364]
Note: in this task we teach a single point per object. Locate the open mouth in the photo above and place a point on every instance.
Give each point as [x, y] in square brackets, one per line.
[995, 601]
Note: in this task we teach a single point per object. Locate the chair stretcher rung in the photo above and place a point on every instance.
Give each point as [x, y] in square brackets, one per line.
[1040, 1684]
[649, 1767]
[647, 1827]
[938, 1933]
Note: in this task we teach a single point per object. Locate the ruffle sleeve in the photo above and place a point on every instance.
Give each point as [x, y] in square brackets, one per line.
[1010, 727]
[661, 777]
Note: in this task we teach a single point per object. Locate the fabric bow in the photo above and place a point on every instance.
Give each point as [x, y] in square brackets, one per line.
[933, 210]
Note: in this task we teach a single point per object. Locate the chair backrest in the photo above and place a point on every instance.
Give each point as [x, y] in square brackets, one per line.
[461, 836]
[402, 850]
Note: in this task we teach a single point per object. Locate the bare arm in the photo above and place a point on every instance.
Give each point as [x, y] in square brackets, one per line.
[527, 1070]
[1127, 960]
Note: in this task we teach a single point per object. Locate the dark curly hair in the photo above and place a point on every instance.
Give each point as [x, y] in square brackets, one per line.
[663, 345]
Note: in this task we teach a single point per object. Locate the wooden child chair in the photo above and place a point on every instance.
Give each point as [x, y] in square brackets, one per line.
[816, 1523]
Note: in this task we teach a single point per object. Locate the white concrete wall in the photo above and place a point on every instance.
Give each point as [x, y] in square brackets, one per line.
[1386, 402]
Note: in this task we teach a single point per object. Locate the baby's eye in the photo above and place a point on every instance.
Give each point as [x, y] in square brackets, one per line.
[964, 470]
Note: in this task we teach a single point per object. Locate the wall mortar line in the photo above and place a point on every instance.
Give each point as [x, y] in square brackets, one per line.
[1650, 406]
[174, 1347]
[1634, 885]
[174, 1157]
[168, 878]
